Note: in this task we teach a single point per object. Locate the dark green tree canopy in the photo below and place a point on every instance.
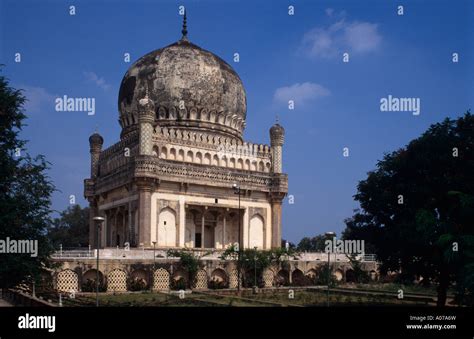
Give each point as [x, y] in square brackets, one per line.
[418, 205]
[71, 229]
[313, 244]
[25, 192]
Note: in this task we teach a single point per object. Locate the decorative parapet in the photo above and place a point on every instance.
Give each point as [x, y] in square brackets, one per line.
[152, 167]
[119, 177]
[118, 154]
[118, 147]
[209, 141]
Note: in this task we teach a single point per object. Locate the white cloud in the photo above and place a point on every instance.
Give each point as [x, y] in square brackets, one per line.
[38, 99]
[98, 81]
[339, 37]
[329, 11]
[300, 93]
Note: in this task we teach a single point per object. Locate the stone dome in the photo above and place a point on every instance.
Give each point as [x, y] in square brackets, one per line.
[277, 134]
[96, 139]
[190, 88]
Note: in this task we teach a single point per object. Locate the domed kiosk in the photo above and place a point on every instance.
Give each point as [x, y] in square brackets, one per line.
[169, 180]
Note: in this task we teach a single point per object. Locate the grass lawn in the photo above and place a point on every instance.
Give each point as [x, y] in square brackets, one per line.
[267, 298]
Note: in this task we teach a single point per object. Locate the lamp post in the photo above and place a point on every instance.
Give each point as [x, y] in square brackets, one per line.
[237, 191]
[154, 266]
[154, 256]
[255, 263]
[328, 235]
[99, 221]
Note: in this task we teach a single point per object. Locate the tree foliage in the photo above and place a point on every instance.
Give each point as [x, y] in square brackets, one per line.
[312, 244]
[71, 229]
[25, 192]
[418, 207]
[255, 259]
[188, 261]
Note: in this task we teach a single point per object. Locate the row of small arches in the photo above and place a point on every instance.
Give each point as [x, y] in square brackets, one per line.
[180, 134]
[206, 158]
[213, 116]
[162, 113]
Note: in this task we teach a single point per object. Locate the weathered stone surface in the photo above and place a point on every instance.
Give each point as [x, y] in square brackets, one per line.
[182, 80]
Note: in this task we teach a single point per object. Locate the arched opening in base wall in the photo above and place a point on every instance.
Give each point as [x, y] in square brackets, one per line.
[282, 278]
[218, 279]
[298, 278]
[179, 280]
[268, 278]
[161, 280]
[117, 281]
[350, 276]
[338, 275]
[89, 281]
[67, 281]
[312, 275]
[200, 282]
[138, 281]
[373, 275]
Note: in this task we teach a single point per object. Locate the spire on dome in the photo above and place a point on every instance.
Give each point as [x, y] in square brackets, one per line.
[184, 31]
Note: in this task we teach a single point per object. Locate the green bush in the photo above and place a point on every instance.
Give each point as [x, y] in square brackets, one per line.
[217, 284]
[137, 284]
[90, 285]
[178, 284]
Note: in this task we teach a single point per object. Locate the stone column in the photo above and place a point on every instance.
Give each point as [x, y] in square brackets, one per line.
[124, 238]
[245, 228]
[144, 214]
[182, 222]
[103, 237]
[202, 229]
[129, 228]
[223, 229]
[276, 222]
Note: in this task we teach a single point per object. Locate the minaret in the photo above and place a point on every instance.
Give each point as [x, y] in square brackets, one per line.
[95, 141]
[277, 138]
[146, 117]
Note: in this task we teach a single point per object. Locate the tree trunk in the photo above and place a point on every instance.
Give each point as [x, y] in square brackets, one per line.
[443, 287]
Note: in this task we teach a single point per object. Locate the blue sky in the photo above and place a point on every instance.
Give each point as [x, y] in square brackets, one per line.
[282, 57]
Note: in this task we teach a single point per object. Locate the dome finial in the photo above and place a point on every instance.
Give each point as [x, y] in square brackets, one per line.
[277, 119]
[185, 28]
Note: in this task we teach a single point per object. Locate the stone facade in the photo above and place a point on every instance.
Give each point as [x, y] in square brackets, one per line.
[168, 182]
[158, 274]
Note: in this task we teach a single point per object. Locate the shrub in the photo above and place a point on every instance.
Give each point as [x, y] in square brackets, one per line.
[137, 284]
[178, 284]
[217, 284]
[90, 285]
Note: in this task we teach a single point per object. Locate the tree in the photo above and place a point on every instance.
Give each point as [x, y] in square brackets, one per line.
[418, 207]
[314, 244]
[71, 229]
[290, 244]
[25, 193]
